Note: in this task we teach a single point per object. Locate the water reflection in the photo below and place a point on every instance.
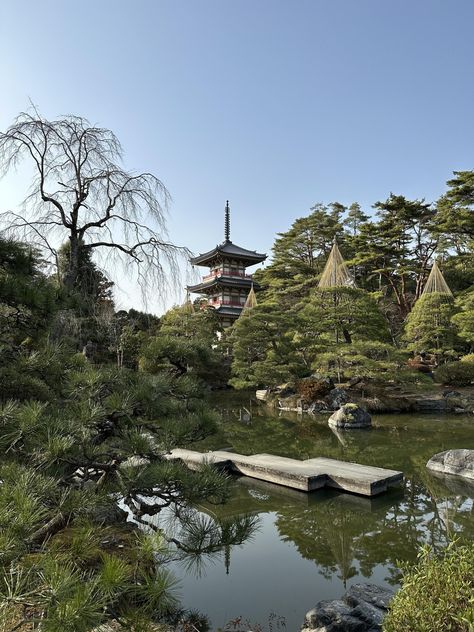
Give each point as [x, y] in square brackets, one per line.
[347, 535]
[338, 538]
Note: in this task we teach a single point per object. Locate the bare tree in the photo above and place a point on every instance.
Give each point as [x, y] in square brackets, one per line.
[81, 192]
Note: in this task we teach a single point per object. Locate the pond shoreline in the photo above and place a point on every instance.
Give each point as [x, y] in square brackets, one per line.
[374, 399]
[314, 547]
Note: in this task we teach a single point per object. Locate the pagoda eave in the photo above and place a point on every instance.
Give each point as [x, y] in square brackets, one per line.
[228, 312]
[228, 250]
[224, 282]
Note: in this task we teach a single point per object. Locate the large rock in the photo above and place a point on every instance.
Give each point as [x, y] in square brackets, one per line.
[333, 616]
[350, 416]
[459, 462]
[362, 609]
[369, 593]
[337, 397]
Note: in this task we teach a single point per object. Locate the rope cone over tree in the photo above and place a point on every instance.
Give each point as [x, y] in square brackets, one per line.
[336, 273]
[250, 303]
[436, 283]
[429, 327]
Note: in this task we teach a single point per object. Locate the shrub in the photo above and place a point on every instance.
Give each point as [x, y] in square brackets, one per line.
[468, 358]
[23, 387]
[312, 389]
[436, 594]
[455, 373]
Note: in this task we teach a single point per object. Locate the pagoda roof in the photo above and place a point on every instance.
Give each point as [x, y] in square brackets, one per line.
[225, 281]
[226, 310]
[228, 249]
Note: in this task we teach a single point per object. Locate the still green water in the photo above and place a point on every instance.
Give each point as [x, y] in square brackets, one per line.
[312, 546]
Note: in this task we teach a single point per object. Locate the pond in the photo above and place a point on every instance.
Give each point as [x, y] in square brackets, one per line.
[313, 546]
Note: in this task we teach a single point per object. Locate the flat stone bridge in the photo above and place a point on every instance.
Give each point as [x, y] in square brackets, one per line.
[306, 475]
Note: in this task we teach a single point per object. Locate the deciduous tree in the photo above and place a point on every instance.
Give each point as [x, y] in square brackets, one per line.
[81, 193]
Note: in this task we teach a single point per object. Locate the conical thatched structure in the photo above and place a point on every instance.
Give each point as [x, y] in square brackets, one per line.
[250, 303]
[188, 305]
[436, 283]
[336, 273]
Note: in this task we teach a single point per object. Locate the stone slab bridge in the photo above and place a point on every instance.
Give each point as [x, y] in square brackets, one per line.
[305, 476]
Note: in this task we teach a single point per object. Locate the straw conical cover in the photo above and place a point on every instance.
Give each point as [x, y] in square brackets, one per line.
[188, 306]
[250, 302]
[436, 283]
[336, 273]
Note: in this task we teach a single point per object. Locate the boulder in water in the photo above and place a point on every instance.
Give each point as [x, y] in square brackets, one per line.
[458, 462]
[350, 416]
[362, 609]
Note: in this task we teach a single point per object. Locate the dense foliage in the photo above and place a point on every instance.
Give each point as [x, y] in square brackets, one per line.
[93, 399]
[91, 508]
[372, 329]
[436, 593]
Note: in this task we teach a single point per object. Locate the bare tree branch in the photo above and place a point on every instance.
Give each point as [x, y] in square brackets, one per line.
[80, 193]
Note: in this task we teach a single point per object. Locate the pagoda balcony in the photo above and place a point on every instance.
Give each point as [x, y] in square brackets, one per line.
[217, 302]
[233, 273]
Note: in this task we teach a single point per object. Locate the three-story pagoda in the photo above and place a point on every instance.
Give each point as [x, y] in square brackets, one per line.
[227, 285]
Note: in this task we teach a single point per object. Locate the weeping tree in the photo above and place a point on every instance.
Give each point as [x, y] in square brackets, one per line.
[82, 194]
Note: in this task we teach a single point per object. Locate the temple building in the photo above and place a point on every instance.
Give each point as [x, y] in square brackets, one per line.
[227, 285]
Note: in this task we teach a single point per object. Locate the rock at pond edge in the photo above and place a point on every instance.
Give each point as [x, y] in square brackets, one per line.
[457, 462]
[362, 609]
[350, 416]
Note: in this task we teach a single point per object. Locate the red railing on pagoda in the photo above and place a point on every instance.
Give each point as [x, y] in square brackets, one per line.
[218, 302]
[231, 273]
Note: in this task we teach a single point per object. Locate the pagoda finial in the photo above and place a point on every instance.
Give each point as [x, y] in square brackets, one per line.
[227, 222]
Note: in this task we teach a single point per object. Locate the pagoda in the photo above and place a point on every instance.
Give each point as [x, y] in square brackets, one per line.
[227, 285]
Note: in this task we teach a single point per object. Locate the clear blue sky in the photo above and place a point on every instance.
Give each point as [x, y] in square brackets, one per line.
[272, 104]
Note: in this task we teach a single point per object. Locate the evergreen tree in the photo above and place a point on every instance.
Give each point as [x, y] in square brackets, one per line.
[264, 353]
[68, 560]
[92, 289]
[186, 342]
[396, 251]
[298, 255]
[343, 334]
[341, 314]
[429, 325]
[27, 297]
[455, 216]
[355, 219]
[464, 318]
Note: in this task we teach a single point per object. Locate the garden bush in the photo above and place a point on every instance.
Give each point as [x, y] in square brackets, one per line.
[455, 373]
[312, 389]
[437, 594]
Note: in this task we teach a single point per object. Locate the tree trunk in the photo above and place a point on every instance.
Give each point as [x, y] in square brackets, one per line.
[72, 270]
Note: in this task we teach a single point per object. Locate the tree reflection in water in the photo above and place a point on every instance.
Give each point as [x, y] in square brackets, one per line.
[347, 535]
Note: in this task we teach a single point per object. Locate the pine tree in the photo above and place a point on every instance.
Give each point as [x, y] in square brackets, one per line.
[299, 254]
[464, 318]
[68, 559]
[429, 326]
[263, 350]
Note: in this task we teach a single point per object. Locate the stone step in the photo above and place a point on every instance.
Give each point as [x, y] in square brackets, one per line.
[356, 478]
[306, 475]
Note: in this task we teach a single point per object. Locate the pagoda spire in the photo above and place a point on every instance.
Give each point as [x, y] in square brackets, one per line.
[227, 222]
